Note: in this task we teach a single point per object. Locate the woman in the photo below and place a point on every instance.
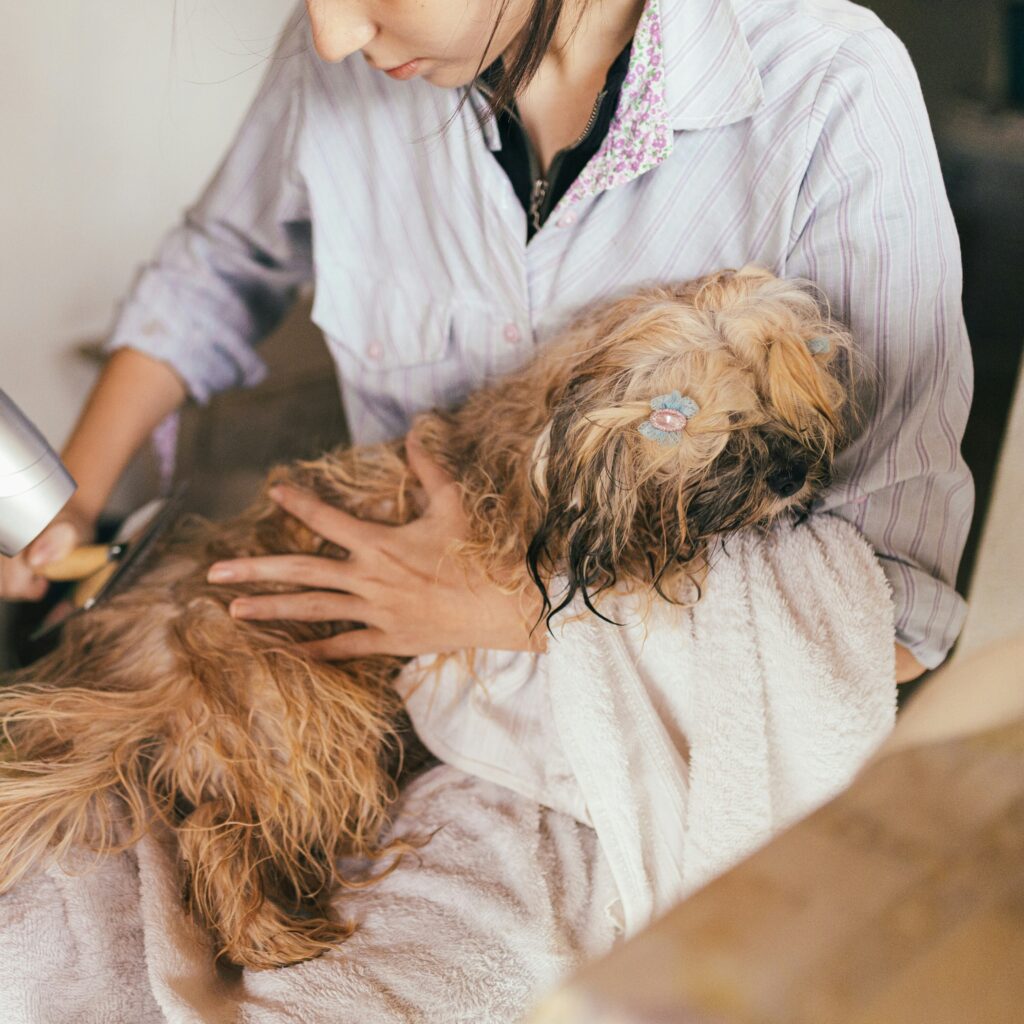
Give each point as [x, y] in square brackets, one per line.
[646, 141]
[656, 140]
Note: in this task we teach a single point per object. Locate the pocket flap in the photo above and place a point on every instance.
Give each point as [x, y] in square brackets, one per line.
[379, 323]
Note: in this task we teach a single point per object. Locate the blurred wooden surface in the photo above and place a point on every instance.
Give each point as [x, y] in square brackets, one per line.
[900, 902]
[997, 586]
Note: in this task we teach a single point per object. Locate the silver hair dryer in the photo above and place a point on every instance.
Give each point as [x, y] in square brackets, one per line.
[34, 485]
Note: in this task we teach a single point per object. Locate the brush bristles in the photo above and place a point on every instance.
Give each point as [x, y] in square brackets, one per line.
[269, 767]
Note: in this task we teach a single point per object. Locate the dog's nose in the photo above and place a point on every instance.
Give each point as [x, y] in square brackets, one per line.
[787, 480]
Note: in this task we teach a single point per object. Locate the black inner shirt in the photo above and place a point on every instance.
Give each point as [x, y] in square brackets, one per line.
[539, 192]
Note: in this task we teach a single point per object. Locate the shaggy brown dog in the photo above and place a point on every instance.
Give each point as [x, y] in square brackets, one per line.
[268, 766]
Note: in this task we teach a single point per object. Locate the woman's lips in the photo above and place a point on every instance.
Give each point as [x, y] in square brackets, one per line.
[404, 71]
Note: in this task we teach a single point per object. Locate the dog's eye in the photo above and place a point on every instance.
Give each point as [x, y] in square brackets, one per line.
[787, 480]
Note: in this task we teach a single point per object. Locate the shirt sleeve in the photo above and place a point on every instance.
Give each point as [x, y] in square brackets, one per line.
[872, 227]
[223, 278]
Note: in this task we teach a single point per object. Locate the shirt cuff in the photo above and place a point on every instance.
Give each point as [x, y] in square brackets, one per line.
[929, 613]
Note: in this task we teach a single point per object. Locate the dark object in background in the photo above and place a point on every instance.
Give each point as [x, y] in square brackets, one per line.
[1015, 55]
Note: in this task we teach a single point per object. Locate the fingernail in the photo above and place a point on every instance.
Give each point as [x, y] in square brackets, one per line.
[239, 609]
[221, 574]
[276, 493]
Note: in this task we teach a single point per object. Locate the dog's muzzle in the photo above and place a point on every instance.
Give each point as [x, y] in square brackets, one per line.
[786, 481]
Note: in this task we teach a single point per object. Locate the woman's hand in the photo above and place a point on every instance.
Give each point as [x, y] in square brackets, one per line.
[19, 580]
[402, 582]
[908, 667]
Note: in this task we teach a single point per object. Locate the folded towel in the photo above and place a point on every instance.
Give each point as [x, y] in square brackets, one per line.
[689, 736]
[502, 903]
[687, 740]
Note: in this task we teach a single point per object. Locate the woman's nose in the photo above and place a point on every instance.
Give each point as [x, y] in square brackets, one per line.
[340, 27]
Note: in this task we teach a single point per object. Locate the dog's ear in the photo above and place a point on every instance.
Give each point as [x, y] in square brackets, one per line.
[587, 486]
[614, 499]
[800, 388]
[784, 332]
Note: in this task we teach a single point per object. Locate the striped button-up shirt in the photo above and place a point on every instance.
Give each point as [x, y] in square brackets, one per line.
[789, 133]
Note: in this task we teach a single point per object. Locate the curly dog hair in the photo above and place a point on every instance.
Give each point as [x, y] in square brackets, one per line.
[266, 766]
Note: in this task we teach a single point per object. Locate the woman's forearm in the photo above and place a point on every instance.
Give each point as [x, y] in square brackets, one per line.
[133, 394]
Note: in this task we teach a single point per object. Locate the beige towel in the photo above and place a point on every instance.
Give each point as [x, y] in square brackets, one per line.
[690, 736]
[501, 904]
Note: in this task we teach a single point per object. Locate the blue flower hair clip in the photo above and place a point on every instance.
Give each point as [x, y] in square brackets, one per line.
[819, 346]
[669, 418]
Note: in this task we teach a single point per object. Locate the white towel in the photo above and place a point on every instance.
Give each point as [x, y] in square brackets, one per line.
[689, 738]
[495, 910]
[686, 752]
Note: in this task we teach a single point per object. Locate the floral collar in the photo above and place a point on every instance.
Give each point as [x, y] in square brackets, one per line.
[690, 68]
[640, 136]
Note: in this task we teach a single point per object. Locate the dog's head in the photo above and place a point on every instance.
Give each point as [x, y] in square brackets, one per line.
[684, 413]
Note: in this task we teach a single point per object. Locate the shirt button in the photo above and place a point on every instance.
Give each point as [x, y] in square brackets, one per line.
[375, 350]
[511, 333]
[568, 220]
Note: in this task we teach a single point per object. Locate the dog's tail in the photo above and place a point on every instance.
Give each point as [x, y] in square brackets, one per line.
[68, 777]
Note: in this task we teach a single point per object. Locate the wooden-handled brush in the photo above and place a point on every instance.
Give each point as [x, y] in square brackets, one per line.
[103, 569]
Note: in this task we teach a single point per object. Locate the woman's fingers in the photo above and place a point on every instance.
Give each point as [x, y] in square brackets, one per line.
[354, 643]
[325, 520]
[427, 471]
[308, 606]
[53, 544]
[19, 578]
[301, 570]
[438, 484]
[390, 583]
[18, 582]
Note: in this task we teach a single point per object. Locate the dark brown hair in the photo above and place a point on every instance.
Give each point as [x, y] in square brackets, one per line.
[520, 62]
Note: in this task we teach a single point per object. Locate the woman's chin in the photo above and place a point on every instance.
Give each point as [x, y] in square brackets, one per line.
[448, 76]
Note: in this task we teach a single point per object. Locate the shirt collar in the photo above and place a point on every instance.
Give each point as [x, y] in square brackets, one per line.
[710, 75]
[690, 67]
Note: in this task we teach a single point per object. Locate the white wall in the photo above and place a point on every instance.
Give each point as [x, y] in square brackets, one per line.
[113, 113]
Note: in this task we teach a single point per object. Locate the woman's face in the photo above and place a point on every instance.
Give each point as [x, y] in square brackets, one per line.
[441, 41]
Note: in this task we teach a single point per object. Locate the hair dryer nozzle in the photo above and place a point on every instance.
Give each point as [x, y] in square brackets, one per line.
[34, 485]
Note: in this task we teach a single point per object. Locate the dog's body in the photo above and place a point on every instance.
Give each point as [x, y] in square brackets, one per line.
[269, 766]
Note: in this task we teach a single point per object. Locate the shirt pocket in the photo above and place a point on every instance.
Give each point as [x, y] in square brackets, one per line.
[378, 324]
